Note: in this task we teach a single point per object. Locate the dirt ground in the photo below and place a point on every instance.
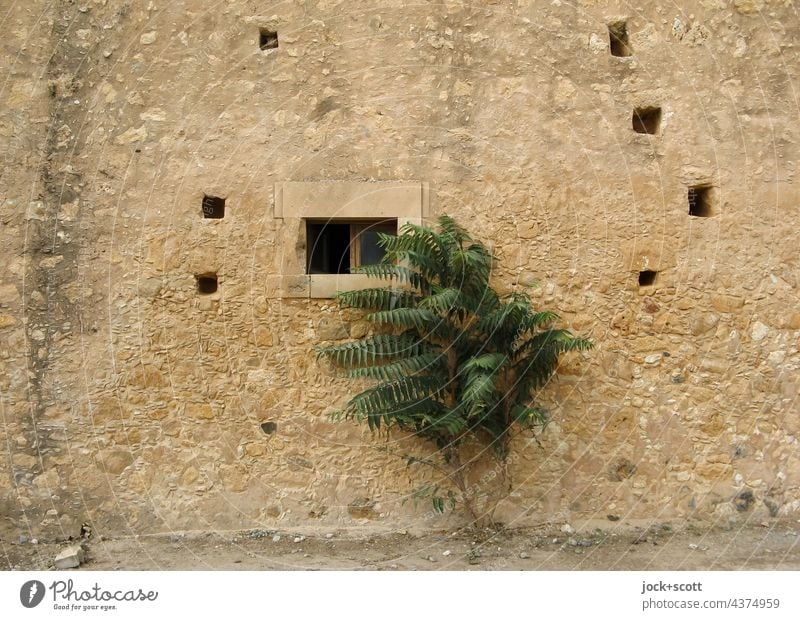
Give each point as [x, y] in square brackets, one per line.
[769, 546]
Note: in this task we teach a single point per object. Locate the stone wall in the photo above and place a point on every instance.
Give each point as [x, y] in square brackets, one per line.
[133, 403]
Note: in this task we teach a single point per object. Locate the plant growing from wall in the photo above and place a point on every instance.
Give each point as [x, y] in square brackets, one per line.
[453, 360]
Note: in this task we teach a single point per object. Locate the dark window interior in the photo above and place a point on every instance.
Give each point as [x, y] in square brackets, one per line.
[213, 207]
[646, 120]
[268, 39]
[370, 252]
[647, 278]
[700, 201]
[328, 248]
[207, 283]
[618, 39]
[335, 246]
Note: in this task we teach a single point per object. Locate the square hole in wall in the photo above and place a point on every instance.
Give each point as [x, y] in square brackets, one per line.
[647, 120]
[206, 283]
[647, 277]
[700, 201]
[335, 246]
[213, 207]
[267, 39]
[618, 39]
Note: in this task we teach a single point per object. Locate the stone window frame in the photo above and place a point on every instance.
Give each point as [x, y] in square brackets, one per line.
[295, 202]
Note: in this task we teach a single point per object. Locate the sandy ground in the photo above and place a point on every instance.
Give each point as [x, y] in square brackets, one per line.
[769, 546]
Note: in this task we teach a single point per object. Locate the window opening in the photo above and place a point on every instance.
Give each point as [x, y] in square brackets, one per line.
[618, 39]
[699, 198]
[213, 207]
[647, 278]
[335, 246]
[268, 39]
[646, 120]
[206, 283]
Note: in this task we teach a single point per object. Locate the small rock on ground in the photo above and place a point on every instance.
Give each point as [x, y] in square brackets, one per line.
[71, 557]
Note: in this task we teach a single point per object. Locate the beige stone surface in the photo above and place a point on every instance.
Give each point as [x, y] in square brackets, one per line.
[133, 402]
[348, 199]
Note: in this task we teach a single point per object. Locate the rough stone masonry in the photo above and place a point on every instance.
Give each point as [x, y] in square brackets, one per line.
[633, 168]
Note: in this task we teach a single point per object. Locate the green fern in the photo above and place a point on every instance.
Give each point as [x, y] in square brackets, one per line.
[458, 360]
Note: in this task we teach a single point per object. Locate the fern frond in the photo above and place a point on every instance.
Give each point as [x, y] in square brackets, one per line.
[556, 340]
[450, 422]
[510, 320]
[421, 261]
[442, 301]
[472, 266]
[377, 298]
[375, 349]
[387, 396]
[540, 357]
[486, 362]
[530, 416]
[419, 318]
[418, 239]
[478, 394]
[450, 228]
[427, 362]
[398, 273]
[539, 319]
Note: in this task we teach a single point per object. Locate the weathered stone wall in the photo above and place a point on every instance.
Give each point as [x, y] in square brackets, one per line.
[131, 402]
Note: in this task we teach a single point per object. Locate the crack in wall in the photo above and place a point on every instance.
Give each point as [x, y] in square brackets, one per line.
[51, 254]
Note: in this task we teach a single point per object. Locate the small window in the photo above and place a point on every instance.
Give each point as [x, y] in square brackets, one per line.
[647, 278]
[268, 39]
[699, 198]
[647, 120]
[206, 283]
[618, 39]
[213, 207]
[336, 246]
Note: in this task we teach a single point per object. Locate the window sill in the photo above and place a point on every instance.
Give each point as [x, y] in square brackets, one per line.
[320, 286]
